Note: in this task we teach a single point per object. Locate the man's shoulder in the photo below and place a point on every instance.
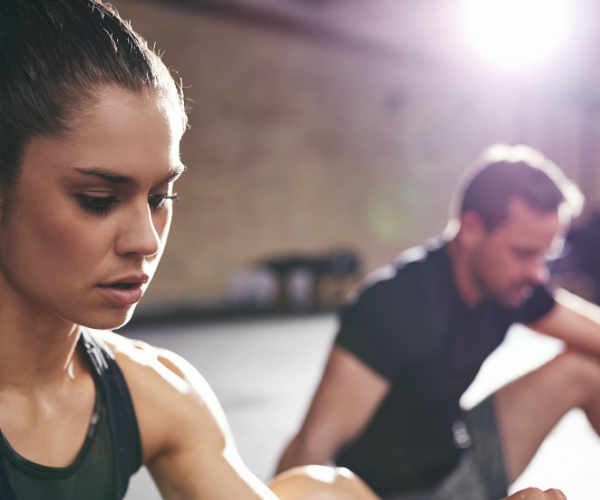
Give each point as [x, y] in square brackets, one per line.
[399, 309]
[413, 275]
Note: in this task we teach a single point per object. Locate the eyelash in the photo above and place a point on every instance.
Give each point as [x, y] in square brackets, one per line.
[101, 205]
[157, 201]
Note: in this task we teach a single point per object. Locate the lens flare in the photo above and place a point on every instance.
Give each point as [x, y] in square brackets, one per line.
[516, 34]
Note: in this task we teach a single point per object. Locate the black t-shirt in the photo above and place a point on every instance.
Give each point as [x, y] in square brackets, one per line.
[411, 326]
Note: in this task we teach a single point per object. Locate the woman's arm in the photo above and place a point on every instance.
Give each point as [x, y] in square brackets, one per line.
[188, 446]
[189, 449]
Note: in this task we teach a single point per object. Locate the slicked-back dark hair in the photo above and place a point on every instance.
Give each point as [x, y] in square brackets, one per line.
[55, 58]
[503, 173]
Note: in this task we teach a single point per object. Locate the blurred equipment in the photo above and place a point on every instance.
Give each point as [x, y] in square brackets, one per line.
[252, 288]
[295, 282]
[314, 282]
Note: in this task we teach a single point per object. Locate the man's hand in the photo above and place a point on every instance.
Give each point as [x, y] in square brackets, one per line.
[537, 494]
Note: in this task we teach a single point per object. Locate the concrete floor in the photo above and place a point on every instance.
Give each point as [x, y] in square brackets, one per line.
[264, 372]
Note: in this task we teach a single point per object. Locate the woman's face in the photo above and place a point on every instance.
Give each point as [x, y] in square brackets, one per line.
[90, 214]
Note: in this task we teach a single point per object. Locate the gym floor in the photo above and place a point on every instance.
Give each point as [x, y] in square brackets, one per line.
[265, 371]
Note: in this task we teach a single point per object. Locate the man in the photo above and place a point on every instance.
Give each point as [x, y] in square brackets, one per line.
[415, 337]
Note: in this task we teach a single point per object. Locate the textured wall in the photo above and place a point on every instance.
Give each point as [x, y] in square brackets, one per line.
[303, 145]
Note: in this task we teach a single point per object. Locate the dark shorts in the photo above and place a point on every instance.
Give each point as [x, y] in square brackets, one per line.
[480, 474]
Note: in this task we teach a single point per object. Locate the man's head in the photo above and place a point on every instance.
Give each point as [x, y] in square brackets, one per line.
[511, 204]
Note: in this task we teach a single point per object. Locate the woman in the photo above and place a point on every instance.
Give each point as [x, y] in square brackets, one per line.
[90, 124]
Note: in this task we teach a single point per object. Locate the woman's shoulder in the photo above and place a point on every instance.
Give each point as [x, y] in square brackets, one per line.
[169, 395]
[132, 354]
[136, 357]
[153, 369]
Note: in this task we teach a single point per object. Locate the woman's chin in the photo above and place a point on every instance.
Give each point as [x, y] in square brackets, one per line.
[109, 320]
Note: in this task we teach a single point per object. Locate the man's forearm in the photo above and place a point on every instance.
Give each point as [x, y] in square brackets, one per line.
[573, 320]
[297, 453]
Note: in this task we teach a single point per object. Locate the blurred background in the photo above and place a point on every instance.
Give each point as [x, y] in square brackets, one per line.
[322, 128]
[327, 136]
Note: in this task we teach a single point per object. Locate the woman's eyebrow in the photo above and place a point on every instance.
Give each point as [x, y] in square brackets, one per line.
[107, 175]
[126, 179]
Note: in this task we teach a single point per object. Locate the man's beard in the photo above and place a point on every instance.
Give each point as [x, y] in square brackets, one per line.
[511, 296]
[514, 296]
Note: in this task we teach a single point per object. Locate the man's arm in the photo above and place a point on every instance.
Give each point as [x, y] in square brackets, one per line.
[348, 396]
[573, 320]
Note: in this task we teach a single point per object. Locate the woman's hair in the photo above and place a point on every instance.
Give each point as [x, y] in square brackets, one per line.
[56, 56]
[502, 173]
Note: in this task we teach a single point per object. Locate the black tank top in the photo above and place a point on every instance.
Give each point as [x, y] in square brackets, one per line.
[110, 454]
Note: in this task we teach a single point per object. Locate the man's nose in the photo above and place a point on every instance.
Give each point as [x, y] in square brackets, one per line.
[538, 272]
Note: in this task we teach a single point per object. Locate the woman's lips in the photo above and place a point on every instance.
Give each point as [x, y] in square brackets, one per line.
[123, 296]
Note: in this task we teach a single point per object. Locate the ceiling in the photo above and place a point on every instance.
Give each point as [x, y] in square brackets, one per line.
[404, 27]
[423, 31]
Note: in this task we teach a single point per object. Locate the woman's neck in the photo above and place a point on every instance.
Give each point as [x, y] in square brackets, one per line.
[36, 347]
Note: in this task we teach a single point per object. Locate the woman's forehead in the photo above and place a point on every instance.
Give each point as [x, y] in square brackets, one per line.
[112, 105]
[127, 134]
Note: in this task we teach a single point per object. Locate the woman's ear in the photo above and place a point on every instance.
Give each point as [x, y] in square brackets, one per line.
[472, 230]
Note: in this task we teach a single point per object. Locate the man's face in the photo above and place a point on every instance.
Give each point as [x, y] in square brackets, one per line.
[511, 258]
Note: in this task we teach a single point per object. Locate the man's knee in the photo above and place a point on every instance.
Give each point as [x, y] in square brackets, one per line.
[580, 369]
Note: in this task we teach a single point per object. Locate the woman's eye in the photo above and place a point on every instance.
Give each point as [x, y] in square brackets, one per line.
[158, 201]
[97, 205]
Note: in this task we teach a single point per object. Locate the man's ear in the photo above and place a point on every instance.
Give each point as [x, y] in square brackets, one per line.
[472, 230]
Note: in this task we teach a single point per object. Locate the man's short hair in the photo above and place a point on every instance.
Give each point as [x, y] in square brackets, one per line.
[504, 172]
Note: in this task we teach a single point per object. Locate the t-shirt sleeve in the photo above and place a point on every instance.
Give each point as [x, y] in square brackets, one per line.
[381, 327]
[539, 304]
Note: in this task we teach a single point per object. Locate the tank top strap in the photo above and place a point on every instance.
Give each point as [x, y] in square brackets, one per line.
[120, 413]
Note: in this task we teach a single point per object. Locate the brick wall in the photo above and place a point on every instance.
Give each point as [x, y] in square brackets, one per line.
[306, 146]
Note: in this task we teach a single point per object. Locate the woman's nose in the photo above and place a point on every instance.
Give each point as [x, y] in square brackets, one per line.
[138, 234]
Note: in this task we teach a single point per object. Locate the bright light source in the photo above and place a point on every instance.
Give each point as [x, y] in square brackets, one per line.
[517, 34]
